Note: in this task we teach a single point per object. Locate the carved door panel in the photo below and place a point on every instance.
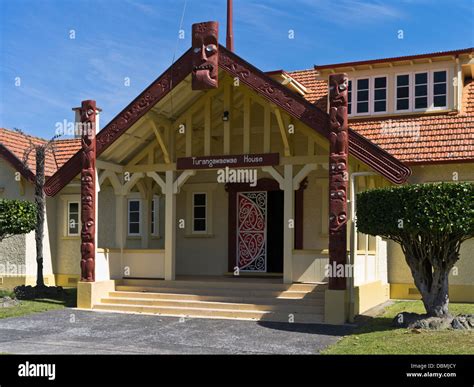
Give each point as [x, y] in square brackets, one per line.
[252, 231]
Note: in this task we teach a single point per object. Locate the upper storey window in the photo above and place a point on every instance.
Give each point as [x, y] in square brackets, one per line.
[421, 91]
[370, 96]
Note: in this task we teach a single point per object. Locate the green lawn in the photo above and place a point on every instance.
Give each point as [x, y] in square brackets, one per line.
[378, 337]
[40, 305]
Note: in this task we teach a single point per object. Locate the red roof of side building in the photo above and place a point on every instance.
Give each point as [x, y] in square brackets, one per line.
[15, 144]
[455, 53]
[413, 139]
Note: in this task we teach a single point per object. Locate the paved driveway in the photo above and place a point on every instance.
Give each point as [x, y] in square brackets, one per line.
[71, 331]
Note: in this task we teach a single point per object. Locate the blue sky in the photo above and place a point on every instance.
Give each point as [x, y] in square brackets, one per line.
[44, 73]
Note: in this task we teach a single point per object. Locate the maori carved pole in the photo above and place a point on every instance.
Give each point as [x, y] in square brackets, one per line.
[205, 48]
[88, 157]
[338, 179]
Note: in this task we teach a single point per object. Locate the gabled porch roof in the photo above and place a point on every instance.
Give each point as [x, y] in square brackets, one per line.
[277, 94]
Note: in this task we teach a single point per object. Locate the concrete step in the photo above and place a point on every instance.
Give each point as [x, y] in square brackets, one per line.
[187, 303]
[193, 312]
[227, 292]
[228, 297]
[228, 283]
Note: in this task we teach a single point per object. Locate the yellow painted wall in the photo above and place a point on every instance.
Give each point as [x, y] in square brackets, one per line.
[461, 278]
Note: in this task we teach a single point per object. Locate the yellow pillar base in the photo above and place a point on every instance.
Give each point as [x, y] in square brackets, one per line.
[335, 307]
[90, 293]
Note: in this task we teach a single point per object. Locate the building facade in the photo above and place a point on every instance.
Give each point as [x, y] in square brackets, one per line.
[233, 180]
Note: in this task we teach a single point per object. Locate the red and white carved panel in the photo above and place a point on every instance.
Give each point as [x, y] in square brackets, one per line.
[252, 231]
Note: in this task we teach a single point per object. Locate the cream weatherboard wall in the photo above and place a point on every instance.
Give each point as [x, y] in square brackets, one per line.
[461, 279]
[18, 253]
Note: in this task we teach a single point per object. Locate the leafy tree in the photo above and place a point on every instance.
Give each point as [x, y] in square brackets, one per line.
[430, 222]
[40, 150]
[16, 217]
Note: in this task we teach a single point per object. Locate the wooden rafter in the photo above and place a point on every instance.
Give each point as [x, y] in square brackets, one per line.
[283, 132]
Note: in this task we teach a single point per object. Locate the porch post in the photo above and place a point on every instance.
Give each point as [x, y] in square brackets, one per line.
[170, 227]
[120, 220]
[89, 292]
[88, 112]
[289, 217]
[335, 309]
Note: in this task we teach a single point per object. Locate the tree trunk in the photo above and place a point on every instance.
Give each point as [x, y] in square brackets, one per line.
[437, 300]
[432, 282]
[39, 200]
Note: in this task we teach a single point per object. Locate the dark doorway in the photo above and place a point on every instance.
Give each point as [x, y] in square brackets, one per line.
[275, 232]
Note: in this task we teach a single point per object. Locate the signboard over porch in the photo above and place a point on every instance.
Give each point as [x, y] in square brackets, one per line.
[231, 161]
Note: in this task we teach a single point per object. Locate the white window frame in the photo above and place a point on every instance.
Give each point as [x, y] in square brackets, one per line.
[205, 231]
[410, 88]
[411, 81]
[140, 217]
[68, 218]
[428, 87]
[371, 99]
[155, 213]
[354, 105]
[372, 94]
[432, 107]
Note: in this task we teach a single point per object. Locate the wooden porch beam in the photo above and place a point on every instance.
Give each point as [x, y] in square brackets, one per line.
[143, 153]
[157, 178]
[283, 132]
[246, 133]
[114, 180]
[207, 126]
[274, 173]
[305, 171]
[228, 99]
[131, 183]
[302, 160]
[161, 142]
[189, 135]
[185, 175]
[267, 123]
[108, 166]
[152, 167]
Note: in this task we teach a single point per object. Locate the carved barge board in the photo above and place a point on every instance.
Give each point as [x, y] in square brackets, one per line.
[295, 105]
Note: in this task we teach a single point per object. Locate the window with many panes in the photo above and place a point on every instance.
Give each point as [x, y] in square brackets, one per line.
[439, 89]
[403, 92]
[362, 104]
[134, 206]
[380, 95]
[421, 91]
[199, 212]
[73, 218]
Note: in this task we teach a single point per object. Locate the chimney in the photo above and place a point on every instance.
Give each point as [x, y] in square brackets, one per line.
[230, 27]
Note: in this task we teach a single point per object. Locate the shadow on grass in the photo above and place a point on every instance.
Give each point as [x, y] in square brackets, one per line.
[68, 299]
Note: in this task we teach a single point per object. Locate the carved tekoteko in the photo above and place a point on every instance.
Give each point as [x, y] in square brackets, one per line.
[88, 157]
[205, 49]
[338, 178]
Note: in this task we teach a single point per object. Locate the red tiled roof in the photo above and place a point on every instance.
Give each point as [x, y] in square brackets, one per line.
[397, 58]
[17, 143]
[317, 89]
[414, 139]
